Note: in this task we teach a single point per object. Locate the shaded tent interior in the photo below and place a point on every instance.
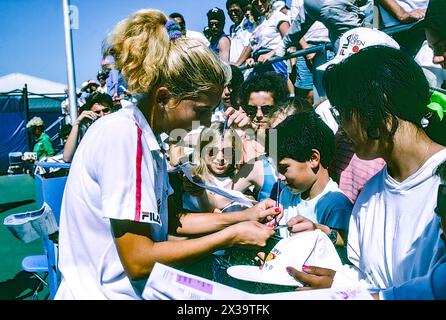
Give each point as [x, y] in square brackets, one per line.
[21, 98]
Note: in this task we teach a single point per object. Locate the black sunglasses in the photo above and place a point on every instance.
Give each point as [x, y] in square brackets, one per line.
[251, 111]
[105, 110]
[211, 24]
[235, 11]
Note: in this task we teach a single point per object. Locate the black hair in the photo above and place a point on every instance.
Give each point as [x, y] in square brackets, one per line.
[101, 98]
[270, 82]
[174, 15]
[298, 134]
[241, 3]
[235, 83]
[441, 171]
[381, 84]
[65, 131]
[102, 74]
[298, 104]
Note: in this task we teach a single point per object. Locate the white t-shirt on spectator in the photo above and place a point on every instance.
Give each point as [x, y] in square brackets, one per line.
[435, 74]
[118, 172]
[239, 36]
[394, 234]
[197, 35]
[267, 34]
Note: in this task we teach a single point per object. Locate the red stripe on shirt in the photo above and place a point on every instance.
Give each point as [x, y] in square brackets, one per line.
[138, 176]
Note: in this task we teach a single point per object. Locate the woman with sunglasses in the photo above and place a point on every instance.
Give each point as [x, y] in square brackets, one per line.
[388, 111]
[96, 106]
[260, 97]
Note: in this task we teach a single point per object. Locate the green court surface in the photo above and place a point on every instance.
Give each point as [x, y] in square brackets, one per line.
[17, 194]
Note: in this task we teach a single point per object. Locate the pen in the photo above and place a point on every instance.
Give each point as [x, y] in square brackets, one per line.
[277, 201]
[280, 226]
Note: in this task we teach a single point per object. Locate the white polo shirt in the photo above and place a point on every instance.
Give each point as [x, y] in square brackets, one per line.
[118, 172]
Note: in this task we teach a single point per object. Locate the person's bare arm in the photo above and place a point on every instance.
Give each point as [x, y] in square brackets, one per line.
[204, 223]
[72, 140]
[224, 45]
[400, 14]
[138, 253]
[246, 53]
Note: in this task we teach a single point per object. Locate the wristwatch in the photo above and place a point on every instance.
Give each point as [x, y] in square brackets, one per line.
[333, 235]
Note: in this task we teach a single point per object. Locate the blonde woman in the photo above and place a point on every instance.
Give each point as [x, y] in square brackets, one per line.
[114, 219]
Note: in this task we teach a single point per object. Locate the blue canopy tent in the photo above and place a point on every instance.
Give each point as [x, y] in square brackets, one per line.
[13, 135]
[18, 105]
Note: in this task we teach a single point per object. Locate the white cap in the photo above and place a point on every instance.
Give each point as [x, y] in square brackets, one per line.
[35, 122]
[279, 5]
[312, 248]
[356, 39]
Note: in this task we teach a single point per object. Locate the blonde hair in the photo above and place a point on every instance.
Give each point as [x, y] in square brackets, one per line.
[210, 137]
[147, 58]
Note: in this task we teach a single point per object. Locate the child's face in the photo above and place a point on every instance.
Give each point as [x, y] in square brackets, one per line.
[299, 176]
[219, 158]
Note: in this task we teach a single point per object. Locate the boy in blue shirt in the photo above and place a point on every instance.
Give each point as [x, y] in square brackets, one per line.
[311, 200]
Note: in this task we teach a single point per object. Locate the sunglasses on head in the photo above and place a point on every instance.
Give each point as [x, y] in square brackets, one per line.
[251, 111]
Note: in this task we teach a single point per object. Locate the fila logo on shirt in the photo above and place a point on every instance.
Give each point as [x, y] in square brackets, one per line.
[150, 217]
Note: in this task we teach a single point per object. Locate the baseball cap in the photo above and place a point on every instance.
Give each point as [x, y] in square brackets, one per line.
[216, 14]
[356, 39]
[311, 248]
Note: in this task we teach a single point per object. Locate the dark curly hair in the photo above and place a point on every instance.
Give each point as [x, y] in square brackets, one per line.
[269, 82]
[298, 134]
[241, 3]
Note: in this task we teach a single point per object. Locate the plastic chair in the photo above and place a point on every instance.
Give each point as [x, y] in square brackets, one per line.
[50, 191]
[36, 265]
[15, 163]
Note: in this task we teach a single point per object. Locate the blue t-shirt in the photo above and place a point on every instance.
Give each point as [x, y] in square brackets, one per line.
[331, 207]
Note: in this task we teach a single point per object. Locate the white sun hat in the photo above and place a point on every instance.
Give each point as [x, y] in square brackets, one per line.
[312, 248]
[356, 39]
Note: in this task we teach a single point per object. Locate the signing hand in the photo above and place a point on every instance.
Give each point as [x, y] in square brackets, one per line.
[250, 234]
[265, 211]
